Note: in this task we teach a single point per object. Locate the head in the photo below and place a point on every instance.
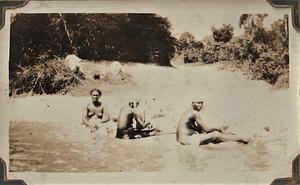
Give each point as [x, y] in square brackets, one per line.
[133, 104]
[95, 94]
[197, 105]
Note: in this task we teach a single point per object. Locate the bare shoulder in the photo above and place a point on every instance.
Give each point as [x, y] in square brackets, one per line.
[124, 110]
[138, 110]
[196, 113]
[188, 112]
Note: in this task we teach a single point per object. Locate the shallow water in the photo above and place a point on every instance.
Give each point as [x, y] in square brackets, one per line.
[250, 108]
[57, 147]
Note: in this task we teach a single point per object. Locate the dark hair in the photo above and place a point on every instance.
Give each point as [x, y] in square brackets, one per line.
[201, 102]
[100, 93]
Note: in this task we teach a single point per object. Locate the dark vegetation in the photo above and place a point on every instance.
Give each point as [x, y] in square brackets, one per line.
[261, 51]
[48, 77]
[43, 39]
[40, 42]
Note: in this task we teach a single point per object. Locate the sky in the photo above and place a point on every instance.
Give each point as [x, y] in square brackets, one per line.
[194, 16]
[200, 24]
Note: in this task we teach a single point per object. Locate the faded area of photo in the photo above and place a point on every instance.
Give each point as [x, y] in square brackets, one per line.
[239, 70]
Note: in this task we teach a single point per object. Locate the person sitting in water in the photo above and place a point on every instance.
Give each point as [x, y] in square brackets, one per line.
[95, 113]
[191, 123]
[127, 117]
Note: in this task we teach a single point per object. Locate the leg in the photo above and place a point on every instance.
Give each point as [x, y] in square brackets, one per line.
[231, 137]
[217, 137]
[125, 133]
[183, 138]
[131, 133]
[145, 133]
[141, 125]
[120, 133]
[184, 141]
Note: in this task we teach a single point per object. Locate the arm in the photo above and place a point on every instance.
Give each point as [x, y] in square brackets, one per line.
[141, 119]
[106, 116]
[201, 125]
[84, 118]
[214, 129]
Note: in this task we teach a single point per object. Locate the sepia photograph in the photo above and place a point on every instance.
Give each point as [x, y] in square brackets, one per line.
[151, 92]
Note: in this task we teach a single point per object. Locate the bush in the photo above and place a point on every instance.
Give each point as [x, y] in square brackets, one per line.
[269, 66]
[209, 53]
[192, 56]
[265, 51]
[189, 48]
[227, 52]
[223, 34]
[45, 78]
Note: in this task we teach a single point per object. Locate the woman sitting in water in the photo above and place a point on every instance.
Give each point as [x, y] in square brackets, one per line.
[95, 112]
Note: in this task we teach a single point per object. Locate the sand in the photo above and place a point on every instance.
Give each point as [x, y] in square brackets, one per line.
[252, 109]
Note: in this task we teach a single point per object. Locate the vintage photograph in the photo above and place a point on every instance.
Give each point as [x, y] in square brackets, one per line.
[149, 92]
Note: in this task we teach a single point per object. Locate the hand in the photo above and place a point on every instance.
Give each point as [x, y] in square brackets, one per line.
[94, 129]
[149, 126]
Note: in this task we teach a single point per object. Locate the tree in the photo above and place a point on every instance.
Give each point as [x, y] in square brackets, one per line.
[254, 27]
[186, 40]
[142, 38]
[36, 38]
[279, 36]
[223, 34]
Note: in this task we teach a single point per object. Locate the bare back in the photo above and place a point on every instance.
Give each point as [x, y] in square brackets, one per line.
[125, 118]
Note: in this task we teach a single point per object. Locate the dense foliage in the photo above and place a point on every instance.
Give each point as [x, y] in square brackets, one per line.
[264, 51]
[39, 38]
[126, 37]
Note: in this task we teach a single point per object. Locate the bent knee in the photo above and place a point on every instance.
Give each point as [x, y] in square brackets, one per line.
[183, 140]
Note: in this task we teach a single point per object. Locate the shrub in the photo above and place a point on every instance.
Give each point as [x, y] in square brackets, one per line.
[209, 53]
[227, 52]
[45, 78]
[192, 56]
[269, 66]
[223, 34]
[264, 51]
[189, 48]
